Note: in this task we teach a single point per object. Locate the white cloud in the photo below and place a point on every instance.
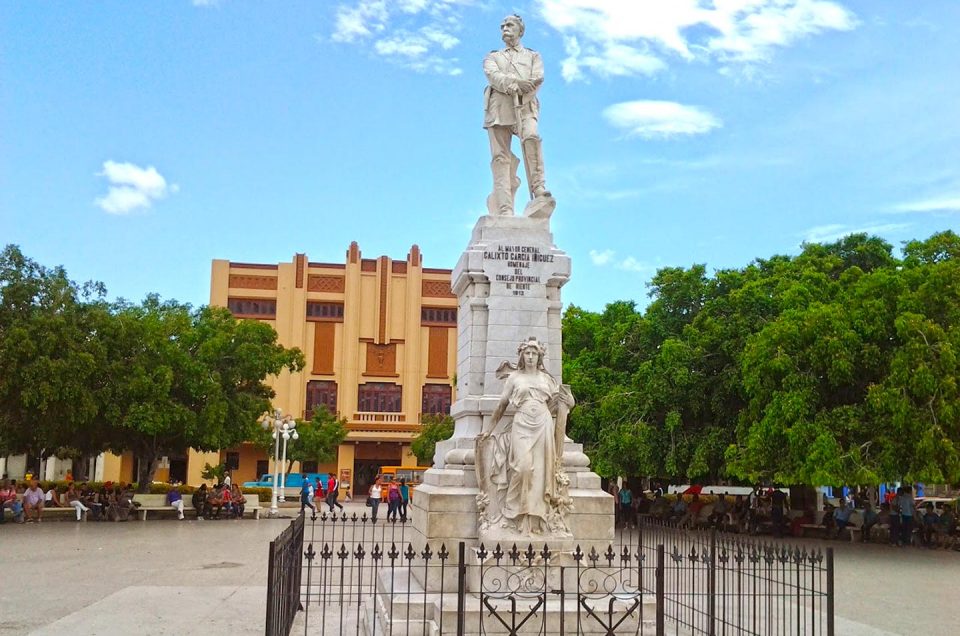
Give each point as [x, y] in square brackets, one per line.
[132, 187]
[631, 264]
[628, 264]
[612, 60]
[404, 45]
[939, 204]
[652, 119]
[601, 258]
[620, 37]
[835, 231]
[416, 34]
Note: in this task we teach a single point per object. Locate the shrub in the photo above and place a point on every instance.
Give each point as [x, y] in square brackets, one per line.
[263, 494]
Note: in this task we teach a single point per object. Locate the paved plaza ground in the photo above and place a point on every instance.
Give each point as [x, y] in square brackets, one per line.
[168, 577]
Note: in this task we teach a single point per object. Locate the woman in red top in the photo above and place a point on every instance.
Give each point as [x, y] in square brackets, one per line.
[227, 501]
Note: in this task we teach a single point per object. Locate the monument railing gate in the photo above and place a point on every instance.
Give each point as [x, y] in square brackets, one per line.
[656, 579]
[284, 569]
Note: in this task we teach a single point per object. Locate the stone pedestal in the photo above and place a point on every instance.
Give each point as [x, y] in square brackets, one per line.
[508, 283]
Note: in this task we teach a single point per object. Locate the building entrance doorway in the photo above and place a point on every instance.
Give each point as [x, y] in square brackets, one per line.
[178, 470]
[368, 460]
[365, 471]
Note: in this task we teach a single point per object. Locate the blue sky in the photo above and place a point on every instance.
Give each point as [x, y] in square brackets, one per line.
[138, 141]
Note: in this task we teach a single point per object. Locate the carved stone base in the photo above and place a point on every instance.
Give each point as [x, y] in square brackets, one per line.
[444, 512]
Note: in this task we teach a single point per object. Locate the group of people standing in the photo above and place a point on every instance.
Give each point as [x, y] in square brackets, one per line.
[398, 497]
[310, 492]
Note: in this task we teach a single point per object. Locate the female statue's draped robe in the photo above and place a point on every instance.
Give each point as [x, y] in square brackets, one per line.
[525, 454]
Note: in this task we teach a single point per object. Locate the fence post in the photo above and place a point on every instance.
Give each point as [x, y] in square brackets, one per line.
[270, 629]
[461, 589]
[661, 631]
[830, 631]
[712, 585]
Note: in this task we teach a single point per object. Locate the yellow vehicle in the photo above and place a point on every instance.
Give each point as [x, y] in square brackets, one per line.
[412, 474]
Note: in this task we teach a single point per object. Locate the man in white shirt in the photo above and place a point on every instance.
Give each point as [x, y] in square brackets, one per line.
[33, 499]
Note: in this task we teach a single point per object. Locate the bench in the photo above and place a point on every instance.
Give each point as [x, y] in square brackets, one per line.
[804, 527]
[158, 503]
[47, 510]
[879, 532]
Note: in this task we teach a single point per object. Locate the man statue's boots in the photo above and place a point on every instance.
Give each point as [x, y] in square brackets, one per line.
[533, 154]
[505, 184]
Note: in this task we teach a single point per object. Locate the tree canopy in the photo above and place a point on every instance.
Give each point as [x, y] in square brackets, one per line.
[837, 365]
[318, 438]
[153, 378]
[436, 428]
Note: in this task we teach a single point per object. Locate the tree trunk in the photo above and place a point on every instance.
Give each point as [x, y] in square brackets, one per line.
[149, 463]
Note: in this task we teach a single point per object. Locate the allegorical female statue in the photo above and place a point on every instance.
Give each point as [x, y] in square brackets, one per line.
[520, 464]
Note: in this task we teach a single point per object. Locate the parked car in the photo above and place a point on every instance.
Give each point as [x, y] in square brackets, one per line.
[293, 480]
[938, 503]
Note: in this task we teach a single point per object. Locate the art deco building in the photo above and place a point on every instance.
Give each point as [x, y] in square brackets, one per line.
[379, 338]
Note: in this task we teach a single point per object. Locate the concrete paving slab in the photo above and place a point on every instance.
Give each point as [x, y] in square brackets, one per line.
[158, 610]
[60, 569]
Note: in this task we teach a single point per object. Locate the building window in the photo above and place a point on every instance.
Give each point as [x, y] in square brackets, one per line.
[436, 399]
[263, 466]
[308, 467]
[252, 307]
[321, 393]
[325, 311]
[438, 316]
[380, 397]
[233, 461]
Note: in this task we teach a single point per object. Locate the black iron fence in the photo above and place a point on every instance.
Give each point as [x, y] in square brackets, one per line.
[719, 583]
[361, 577]
[284, 569]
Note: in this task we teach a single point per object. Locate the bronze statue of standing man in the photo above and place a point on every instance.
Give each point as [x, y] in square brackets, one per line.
[514, 74]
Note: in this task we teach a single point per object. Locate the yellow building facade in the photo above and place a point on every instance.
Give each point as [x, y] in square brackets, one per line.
[379, 338]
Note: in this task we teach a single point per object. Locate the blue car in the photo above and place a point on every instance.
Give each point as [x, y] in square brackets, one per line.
[293, 480]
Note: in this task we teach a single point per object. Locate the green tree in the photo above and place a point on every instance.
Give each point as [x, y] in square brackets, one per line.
[832, 366]
[318, 438]
[435, 428]
[50, 363]
[184, 378]
[854, 382]
[216, 473]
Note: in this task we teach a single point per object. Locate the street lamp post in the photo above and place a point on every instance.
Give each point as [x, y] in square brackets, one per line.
[288, 430]
[285, 427]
